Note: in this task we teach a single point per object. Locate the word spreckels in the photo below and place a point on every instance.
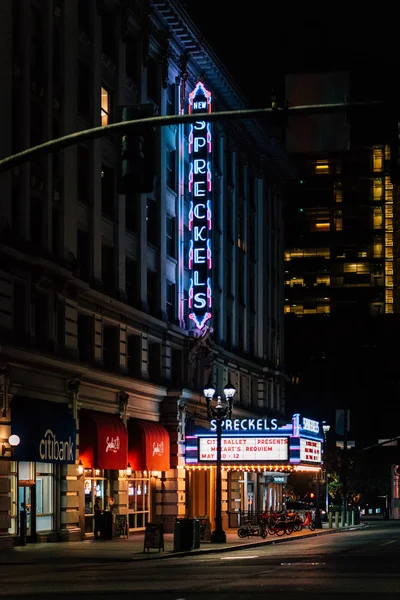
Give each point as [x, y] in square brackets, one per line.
[246, 425]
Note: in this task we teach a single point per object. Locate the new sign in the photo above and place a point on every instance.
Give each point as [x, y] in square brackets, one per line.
[245, 449]
[200, 250]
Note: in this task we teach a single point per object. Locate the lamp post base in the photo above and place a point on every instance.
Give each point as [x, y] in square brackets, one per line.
[317, 519]
[218, 536]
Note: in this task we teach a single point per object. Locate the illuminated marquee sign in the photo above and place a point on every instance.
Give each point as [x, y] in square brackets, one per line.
[310, 425]
[246, 425]
[310, 450]
[245, 449]
[200, 251]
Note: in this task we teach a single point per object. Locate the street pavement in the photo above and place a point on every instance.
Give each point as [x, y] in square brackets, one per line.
[132, 548]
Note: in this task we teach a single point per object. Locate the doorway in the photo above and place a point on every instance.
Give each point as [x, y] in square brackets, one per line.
[27, 508]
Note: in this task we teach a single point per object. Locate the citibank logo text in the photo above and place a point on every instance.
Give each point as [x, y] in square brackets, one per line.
[52, 449]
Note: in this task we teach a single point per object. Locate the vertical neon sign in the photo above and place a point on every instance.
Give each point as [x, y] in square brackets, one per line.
[200, 248]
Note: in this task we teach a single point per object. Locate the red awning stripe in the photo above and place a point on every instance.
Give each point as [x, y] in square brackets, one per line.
[148, 446]
[103, 441]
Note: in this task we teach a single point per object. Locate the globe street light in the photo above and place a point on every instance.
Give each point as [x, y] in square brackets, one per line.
[219, 412]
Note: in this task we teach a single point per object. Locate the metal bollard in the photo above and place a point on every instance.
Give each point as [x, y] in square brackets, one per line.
[337, 519]
[353, 517]
[330, 519]
[342, 519]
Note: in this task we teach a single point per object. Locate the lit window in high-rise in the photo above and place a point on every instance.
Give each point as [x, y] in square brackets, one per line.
[323, 280]
[322, 167]
[377, 160]
[387, 152]
[377, 190]
[105, 107]
[378, 249]
[377, 217]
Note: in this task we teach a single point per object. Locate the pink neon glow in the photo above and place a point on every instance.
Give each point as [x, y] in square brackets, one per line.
[200, 324]
[209, 223]
[191, 255]
[191, 216]
[205, 92]
[209, 179]
[209, 293]
[190, 183]
[209, 138]
[191, 139]
[209, 254]
[190, 299]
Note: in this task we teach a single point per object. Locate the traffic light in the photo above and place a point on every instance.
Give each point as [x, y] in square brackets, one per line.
[137, 152]
[312, 495]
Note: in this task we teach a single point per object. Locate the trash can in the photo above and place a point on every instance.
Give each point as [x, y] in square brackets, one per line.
[183, 534]
[196, 533]
[108, 525]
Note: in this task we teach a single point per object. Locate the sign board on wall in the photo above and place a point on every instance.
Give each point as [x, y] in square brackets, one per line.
[310, 450]
[245, 449]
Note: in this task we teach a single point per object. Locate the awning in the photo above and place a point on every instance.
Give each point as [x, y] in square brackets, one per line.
[148, 446]
[103, 441]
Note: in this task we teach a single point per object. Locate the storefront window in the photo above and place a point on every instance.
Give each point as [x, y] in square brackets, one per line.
[139, 499]
[44, 496]
[94, 489]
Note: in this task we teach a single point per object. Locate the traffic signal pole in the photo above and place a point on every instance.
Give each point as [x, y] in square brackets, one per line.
[124, 127]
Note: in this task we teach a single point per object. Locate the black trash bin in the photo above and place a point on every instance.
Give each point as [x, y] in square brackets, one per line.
[108, 525]
[183, 534]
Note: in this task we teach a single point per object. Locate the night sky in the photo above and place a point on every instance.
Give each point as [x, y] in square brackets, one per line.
[259, 44]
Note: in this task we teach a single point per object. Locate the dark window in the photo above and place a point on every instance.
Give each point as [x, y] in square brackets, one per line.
[131, 274]
[84, 16]
[108, 34]
[132, 59]
[83, 254]
[171, 109]
[84, 90]
[37, 38]
[170, 165]
[170, 301]
[111, 348]
[229, 330]
[171, 236]
[154, 361]
[86, 338]
[241, 335]
[131, 212]
[176, 367]
[134, 355]
[16, 28]
[41, 313]
[153, 83]
[152, 223]
[19, 306]
[152, 292]
[107, 192]
[36, 221]
[83, 169]
[107, 268]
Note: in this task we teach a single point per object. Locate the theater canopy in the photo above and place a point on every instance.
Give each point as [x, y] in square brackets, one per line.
[148, 446]
[103, 441]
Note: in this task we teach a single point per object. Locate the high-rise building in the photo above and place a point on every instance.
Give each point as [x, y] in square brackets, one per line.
[116, 307]
[340, 253]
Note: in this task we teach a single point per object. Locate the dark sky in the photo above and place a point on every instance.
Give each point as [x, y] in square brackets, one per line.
[258, 42]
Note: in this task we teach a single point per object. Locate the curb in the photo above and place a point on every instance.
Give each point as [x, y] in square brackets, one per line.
[195, 552]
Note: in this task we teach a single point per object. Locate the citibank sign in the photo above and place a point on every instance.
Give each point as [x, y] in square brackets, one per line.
[52, 449]
[200, 213]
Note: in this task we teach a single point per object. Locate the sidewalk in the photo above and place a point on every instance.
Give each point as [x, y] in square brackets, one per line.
[131, 549]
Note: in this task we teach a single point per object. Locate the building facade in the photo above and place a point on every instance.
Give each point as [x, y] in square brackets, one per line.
[104, 352]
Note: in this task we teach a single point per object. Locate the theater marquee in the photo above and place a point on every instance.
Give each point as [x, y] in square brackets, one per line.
[247, 449]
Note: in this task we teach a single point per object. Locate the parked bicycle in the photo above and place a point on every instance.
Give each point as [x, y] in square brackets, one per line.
[278, 524]
[302, 521]
[248, 529]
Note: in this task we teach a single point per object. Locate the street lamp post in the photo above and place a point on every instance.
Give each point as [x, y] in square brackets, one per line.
[326, 428]
[219, 412]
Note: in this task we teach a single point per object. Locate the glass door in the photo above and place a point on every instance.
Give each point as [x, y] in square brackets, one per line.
[94, 491]
[26, 503]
